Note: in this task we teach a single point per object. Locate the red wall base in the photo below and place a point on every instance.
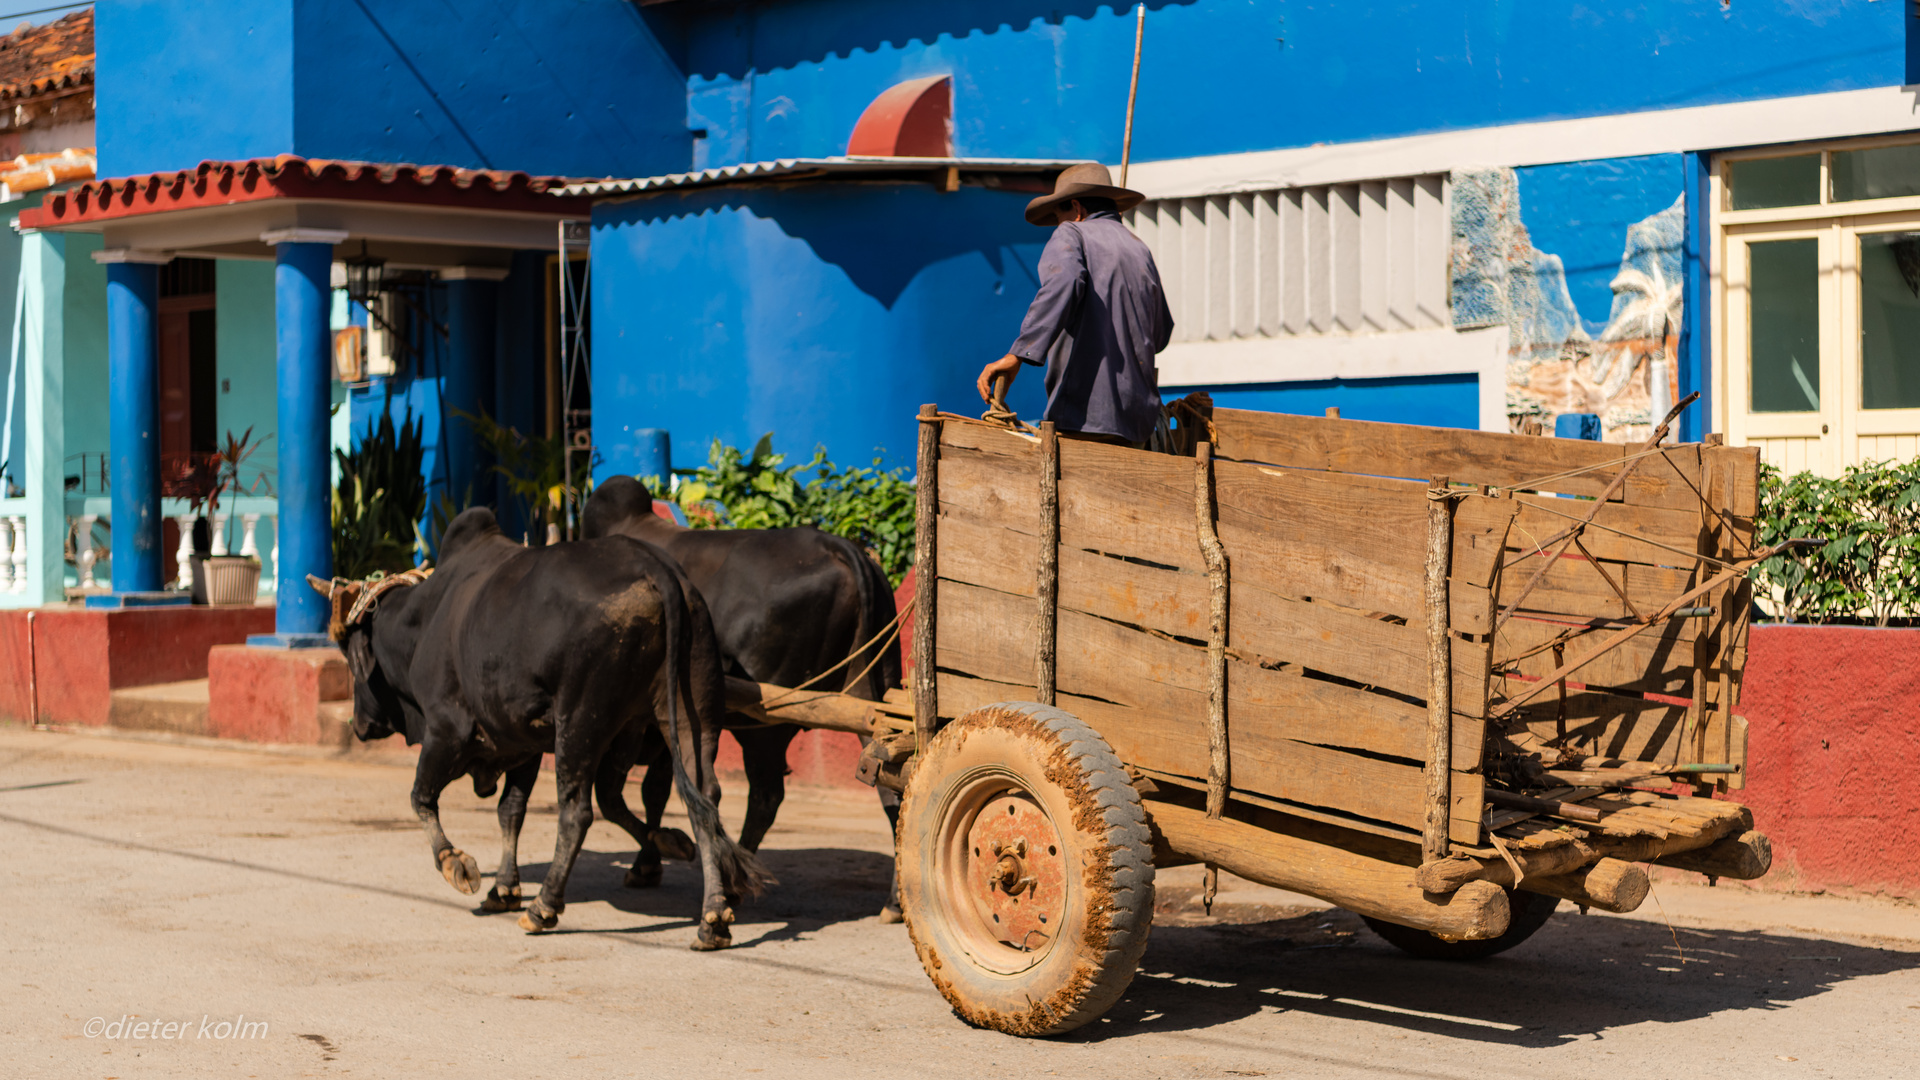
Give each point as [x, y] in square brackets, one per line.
[275, 695]
[1833, 715]
[80, 657]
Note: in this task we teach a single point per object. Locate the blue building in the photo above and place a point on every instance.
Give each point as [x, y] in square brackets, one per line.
[1467, 215]
[1483, 217]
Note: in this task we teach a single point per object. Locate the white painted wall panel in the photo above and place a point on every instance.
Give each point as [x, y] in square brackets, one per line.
[1364, 257]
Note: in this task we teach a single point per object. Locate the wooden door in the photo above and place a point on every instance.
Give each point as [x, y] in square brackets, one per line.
[188, 424]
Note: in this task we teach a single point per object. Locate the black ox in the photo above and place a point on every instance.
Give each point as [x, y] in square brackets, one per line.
[578, 650]
[788, 605]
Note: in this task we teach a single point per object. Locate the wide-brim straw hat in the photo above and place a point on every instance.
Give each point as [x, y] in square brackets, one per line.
[1089, 181]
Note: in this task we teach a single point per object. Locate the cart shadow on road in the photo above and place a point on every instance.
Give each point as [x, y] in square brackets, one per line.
[1579, 978]
[818, 887]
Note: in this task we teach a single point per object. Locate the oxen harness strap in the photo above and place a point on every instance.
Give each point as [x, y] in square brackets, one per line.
[365, 595]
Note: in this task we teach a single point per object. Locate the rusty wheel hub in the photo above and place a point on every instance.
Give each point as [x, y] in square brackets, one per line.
[1016, 875]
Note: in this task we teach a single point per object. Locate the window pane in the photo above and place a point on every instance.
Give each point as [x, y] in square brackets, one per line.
[1785, 181]
[1890, 321]
[1783, 324]
[1881, 173]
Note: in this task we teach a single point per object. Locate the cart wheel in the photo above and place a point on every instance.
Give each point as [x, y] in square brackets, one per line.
[1026, 869]
[1530, 911]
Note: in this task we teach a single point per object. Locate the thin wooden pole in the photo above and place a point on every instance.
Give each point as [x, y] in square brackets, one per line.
[1434, 839]
[1133, 90]
[1219, 761]
[1048, 584]
[926, 515]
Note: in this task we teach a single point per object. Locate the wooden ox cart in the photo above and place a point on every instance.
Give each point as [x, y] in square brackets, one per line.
[1442, 678]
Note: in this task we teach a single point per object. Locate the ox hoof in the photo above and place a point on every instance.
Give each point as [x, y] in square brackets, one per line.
[891, 914]
[460, 870]
[498, 901]
[537, 918]
[711, 938]
[674, 844]
[643, 877]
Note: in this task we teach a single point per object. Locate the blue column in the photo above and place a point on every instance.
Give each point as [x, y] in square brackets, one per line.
[301, 305]
[133, 418]
[1696, 350]
[472, 329]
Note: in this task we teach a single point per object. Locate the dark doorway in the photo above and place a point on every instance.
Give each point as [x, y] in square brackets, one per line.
[189, 420]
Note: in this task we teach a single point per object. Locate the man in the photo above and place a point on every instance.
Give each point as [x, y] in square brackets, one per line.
[1099, 317]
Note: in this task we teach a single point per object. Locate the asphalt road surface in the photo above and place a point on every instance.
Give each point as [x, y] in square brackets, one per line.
[291, 899]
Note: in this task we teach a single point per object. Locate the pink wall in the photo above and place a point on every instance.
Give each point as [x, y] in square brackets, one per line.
[82, 656]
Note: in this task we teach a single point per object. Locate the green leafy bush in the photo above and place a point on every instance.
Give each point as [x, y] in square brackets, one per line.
[759, 490]
[1869, 568]
[380, 500]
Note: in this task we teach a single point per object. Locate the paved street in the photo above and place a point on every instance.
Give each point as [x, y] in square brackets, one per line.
[166, 882]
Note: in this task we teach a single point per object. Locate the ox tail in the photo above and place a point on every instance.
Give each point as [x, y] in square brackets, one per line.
[875, 597]
[699, 685]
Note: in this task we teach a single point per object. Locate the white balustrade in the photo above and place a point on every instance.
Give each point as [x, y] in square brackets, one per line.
[219, 535]
[275, 568]
[249, 547]
[184, 557]
[83, 554]
[6, 554]
[19, 554]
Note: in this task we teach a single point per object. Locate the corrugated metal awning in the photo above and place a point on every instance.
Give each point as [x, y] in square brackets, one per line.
[789, 169]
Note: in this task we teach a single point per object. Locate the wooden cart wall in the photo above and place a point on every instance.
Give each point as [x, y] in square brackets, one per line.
[1328, 655]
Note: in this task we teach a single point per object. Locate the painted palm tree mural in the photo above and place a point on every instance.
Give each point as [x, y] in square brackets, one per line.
[1626, 372]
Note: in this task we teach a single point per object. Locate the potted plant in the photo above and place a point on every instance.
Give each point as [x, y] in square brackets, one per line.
[225, 579]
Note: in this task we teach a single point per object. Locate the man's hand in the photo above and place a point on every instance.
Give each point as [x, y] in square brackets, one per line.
[1008, 365]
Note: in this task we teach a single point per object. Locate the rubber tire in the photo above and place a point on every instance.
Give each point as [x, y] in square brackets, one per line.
[1529, 912]
[1066, 767]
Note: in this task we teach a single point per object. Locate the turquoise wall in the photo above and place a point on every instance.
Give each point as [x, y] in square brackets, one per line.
[244, 346]
[85, 322]
[13, 387]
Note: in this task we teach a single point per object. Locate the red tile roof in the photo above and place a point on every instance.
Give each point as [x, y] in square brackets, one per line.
[223, 183]
[51, 58]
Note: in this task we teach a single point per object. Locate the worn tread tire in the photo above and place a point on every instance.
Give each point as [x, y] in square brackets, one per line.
[1104, 930]
[1529, 912]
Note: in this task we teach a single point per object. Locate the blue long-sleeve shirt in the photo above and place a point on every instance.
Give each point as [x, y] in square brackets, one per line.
[1097, 322]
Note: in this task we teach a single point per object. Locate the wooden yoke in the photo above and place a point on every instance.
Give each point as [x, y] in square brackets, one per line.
[926, 515]
[1434, 843]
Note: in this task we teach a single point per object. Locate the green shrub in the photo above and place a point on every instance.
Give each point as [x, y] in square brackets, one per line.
[1869, 568]
[380, 500]
[873, 507]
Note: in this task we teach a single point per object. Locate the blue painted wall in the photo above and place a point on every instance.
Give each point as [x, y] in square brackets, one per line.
[790, 77]
[822, 312]
[1432, 400]
[570, 87]
[1580, 212]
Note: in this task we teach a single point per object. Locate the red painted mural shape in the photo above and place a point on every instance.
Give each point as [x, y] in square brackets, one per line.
[911, 119]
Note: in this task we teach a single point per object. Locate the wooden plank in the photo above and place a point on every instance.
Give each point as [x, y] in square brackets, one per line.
[1543, 517]
[1572, 586]
[1659, 661]
[1127, 502]
[990, 489]
[1479, 457]
[987, 438]
[1606, 725]
[1388, 655]
[986, 633]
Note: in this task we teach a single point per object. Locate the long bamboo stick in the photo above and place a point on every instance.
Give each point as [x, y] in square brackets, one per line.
[1047, 587]
[1133, 90]
[1219, 762]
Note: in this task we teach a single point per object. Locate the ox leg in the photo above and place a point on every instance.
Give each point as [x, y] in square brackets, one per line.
[890, 804]
[505, 894]
[655, 786]
[763, 753]
[438, 767]
[573, 775]
[610, 789]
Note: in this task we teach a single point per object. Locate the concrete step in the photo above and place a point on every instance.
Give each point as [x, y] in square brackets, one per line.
[177, 707]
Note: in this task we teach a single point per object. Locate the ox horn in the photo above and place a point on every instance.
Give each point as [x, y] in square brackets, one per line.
[321, 586]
